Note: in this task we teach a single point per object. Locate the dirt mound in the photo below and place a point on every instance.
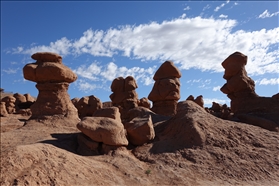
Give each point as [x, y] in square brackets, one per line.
[192, 148]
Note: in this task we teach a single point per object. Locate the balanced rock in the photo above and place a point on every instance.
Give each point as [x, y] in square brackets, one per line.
[166, 90]
[103, 129]
[140, 130]
[52, 78]
[88, 105]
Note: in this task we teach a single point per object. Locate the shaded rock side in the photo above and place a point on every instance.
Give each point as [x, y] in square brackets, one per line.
[140, 130]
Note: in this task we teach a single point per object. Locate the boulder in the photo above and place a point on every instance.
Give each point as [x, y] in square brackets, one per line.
[111, 112]
[140, 130]
[103, 129]
[10, 104]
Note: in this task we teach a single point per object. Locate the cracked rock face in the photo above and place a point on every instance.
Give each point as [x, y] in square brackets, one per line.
[53, 79]
[166, 89]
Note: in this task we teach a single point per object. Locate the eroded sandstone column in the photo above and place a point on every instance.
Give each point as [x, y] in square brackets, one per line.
[53, 79]
[166, 90]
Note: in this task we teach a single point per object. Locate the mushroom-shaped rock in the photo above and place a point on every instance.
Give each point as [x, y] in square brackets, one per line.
[48, 69]
[103, 129]
[52, 78]
[166, 90]
[140, 130]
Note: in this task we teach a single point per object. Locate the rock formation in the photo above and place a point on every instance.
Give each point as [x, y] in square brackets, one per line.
[198, 100]
[53, 79]
[4, 112]
[124, 95]
[10, 104]
[143, 102]
[246, 105]
[87, 105]
[166, 90]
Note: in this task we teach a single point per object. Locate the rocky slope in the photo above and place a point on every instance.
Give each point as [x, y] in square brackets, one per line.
[191, 148]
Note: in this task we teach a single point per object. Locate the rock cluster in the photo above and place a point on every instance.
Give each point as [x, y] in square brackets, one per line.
[246, 105]
[166, 90]
[198, 100]
[220, 111]
[53, 79]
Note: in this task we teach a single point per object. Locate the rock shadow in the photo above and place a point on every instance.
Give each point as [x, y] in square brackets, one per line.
[66, 141]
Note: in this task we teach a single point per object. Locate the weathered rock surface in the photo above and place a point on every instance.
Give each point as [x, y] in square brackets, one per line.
[103, 129]
[143, 102]
[140, 130]
[166, 90]
[88, 105]
[110, 112]
[4, 112]
[124, 95]
[246, 105]
[53, 101]
[10, 103]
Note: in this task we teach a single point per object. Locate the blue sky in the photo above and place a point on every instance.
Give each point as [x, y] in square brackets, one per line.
[100, 41]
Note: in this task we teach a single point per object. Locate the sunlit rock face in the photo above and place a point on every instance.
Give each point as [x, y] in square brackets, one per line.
[166, 89]
[53, 79]
[246, 105]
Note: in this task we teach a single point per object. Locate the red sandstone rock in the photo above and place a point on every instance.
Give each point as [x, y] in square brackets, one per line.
[10, 104]
[166, 90]
[53, 78]
[4, 112]
[88, 105]
[199, 101]
[144, 102]
[191, 98]
[29, 98]
[103, 129]
[140, 130]
[111, 112]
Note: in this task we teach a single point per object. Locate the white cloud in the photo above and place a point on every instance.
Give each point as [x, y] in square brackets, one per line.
[217, 88]
[85, 86]
[199, 43]
[272, 81]
[206, 7]
[221, 6]
[223, 16]
[266, 14]
[101, 74]
[187, 8]
[208, 101]
[11, 71]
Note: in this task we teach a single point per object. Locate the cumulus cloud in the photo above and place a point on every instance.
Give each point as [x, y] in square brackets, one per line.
[98, 73]
[272, 81]
[199, 43]
[266, 14]
[86, 86]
